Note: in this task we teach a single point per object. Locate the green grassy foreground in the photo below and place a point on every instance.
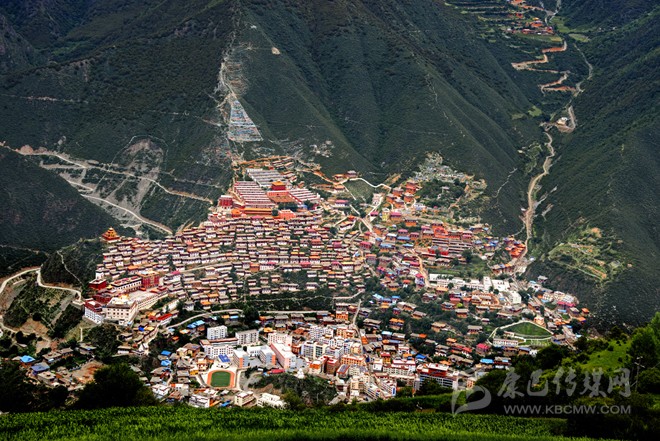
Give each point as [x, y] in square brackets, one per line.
[174, 423]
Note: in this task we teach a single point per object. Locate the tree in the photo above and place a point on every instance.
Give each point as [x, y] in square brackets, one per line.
[293, 401]
[17, 394]
[467, 255]
[644, 347]
[432, 387]
[649, 381]
[104, 338]
[115, 386]
[403, 392]
[551, 356]
[576, 325]
[251, 314]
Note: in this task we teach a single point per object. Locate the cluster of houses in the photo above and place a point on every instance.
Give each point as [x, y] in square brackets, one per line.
[249, 248]
[219, 260]
[51, 369]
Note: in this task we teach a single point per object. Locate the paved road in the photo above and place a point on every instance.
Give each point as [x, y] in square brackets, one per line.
[39, 282]
[137, 216]
[77, 293]
[37, 270]
[17, 275]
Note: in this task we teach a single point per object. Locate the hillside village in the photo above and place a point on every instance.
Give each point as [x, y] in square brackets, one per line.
[285, 278]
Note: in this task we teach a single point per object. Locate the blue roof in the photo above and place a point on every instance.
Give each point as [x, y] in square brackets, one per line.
[486, 361]
[26, 359]
[166, 363]
[166, 353]
[421, 357]
[40, 367]
[223, 358]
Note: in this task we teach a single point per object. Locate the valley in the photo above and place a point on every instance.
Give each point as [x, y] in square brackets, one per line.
[162, 170]
[299, 215]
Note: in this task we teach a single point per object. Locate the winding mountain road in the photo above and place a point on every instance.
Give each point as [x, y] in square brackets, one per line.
[528, 217]
[137, 216]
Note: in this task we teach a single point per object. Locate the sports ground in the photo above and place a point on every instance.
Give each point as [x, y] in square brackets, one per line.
[221, 379]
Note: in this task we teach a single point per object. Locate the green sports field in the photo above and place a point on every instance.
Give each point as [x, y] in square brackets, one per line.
[221, 379]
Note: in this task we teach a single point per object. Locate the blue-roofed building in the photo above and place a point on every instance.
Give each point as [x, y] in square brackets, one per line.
[40, 367]
[223, 358]
[26, 359]
[166, 353]
[166, 363]
[486, 361]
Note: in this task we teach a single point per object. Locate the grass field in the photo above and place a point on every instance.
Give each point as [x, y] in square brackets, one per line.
[529, 329]
[360, 190]
[221, 379]
[608, 360]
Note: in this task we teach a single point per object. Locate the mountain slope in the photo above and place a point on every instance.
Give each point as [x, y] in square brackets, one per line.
[397, 79]
[383, 81]
[40, 212]
[608, 172]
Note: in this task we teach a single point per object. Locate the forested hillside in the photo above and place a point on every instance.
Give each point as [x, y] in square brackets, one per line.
[40, 212]
[608, 172]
